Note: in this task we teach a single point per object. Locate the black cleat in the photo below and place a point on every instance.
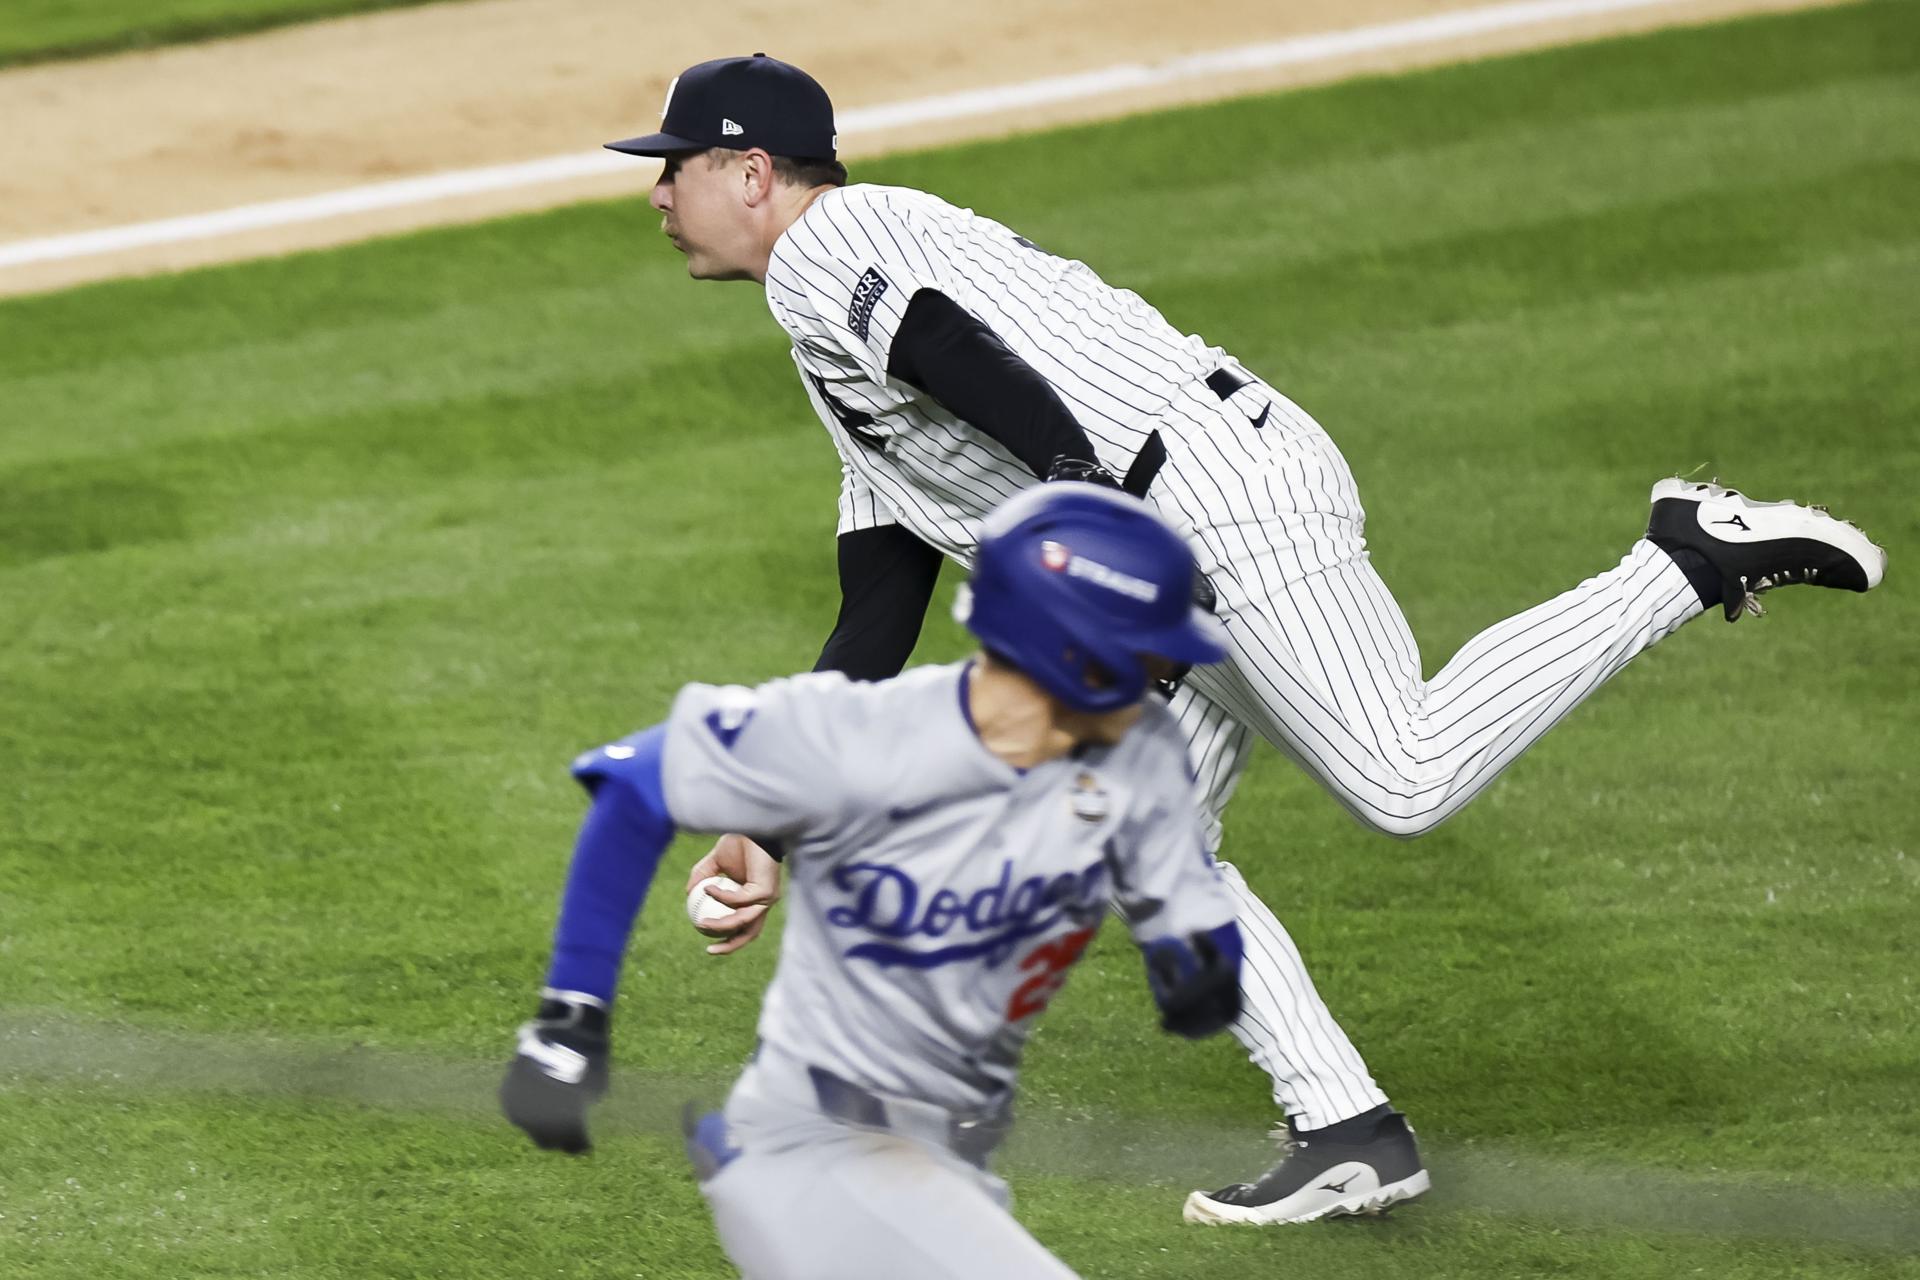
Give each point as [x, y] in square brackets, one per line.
[1757, 546]
[1321, 1178]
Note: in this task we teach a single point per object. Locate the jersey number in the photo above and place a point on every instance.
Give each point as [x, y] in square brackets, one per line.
[859, 425]
[1049, 962]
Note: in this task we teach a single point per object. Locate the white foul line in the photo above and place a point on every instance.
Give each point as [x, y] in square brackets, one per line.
[1295, 51]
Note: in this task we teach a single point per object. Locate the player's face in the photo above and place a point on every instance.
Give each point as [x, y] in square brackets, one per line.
[699, 196]
[1103, 727]
[1106, 727]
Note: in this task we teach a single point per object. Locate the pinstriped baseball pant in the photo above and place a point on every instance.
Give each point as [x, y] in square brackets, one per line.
[1324, 667]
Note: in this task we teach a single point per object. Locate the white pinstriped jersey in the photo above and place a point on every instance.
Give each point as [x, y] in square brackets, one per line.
[839, 282]
[938, 894]
[1323, 664]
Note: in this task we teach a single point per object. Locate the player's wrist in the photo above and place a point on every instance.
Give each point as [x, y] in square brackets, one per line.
[572, 1015]
[563, 996]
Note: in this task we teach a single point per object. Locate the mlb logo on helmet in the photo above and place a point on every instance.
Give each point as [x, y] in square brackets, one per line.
[1055, 555]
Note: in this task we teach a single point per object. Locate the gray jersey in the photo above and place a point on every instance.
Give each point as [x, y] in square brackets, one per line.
[839, 282]
[937, 895]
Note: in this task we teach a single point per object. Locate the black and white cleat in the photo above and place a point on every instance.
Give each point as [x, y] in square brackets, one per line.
[1758, 546]
[1321, 1178]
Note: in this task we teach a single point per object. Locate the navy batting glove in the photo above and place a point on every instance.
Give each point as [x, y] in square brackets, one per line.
[1196, 981]
[561, 1066]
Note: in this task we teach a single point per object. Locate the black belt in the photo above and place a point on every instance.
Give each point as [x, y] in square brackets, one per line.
[971, 1137]
[1145, 466]
[1223, 382]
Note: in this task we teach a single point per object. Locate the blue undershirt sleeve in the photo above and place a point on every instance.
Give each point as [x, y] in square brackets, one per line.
[614, 860]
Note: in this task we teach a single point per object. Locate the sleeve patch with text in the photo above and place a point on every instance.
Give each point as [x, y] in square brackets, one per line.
[866, 295]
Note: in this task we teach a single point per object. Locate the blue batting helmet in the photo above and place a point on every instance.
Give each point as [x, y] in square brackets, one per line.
[1074, 584]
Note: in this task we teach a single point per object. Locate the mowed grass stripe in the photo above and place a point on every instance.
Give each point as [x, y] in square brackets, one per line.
[104, 1061]
[316, 573]
[246, 1185]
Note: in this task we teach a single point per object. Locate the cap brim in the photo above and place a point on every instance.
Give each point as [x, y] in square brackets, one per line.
[656, 144]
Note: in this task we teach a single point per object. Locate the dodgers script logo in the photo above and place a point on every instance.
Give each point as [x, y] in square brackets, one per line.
[994, 920]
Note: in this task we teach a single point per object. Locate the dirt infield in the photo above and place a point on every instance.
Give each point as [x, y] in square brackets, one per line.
[400, 93]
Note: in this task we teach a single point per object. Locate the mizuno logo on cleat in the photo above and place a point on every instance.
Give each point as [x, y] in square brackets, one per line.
[1338, 1187]
[1733, 520]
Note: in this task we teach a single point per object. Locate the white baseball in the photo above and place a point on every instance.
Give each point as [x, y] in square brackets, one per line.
[701, 908]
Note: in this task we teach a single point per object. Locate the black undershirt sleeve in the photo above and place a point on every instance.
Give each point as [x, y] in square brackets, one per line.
[947, 352]
[886, 580]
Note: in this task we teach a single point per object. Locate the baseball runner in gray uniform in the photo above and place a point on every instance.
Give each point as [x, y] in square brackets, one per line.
[955, 837]
[954, 363]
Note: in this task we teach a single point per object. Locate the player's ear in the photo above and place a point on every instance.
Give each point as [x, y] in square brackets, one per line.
[757, 176]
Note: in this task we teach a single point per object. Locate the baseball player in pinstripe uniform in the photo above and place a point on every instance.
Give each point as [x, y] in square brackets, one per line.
[954, 363]
[956, 836]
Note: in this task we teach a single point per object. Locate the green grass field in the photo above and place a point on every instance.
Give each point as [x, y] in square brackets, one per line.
[41, 30]
[315, 573]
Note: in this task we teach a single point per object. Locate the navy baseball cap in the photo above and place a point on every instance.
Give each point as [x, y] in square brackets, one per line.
[741, 103]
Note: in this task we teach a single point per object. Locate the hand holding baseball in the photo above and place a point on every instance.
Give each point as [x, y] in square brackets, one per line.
[702, 908]
[730, 891]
